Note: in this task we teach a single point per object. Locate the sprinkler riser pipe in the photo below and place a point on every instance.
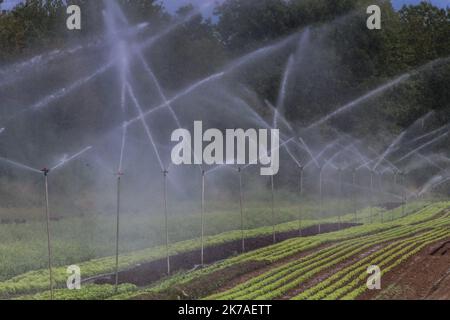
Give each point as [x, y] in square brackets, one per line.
[300, 203]
[273, 209]
[49, 247]
[202, 250]
[241, 207]
[166, 220]
[117, 233]
[354, 195]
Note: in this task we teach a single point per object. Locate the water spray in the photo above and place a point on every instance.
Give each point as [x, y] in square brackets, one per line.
[46, 171]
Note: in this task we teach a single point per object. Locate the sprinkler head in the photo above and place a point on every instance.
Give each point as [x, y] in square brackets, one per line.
[45, 171]
[165, 173]
[239, 169]
[120, 174]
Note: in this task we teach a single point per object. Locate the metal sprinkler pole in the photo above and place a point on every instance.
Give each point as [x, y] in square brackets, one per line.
[371, 196]
[341, 194]
[119, 177]
[166, 220]
[355, 209]
[46, 171]
[273, 210]
[202, 251]
[300, 185]
[395, 190]
[241, 209]
[403, 193]
[380, 179]
[320, 199]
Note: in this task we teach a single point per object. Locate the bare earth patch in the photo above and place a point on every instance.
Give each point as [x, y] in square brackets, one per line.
[426, 275]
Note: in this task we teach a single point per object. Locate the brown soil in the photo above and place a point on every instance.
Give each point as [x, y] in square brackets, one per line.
[424, 276]
[323, 275]
[204, 286]
[147, 273]
[267, 267]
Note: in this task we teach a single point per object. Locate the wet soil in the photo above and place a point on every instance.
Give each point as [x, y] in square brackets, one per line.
[148, 273]
[425, 276]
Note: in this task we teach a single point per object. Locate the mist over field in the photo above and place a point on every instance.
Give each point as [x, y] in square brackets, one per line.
[86, 119]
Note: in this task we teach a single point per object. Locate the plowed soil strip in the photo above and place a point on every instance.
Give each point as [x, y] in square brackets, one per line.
[258, 272]
[331, 271]
[148, 273]
[423, 276]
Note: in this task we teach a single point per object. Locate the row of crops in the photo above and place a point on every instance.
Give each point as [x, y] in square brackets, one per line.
[338, 246]
[37, 281]
[281, 280]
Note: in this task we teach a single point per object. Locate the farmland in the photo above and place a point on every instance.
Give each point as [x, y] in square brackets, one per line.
[224, 150]
[324, 266]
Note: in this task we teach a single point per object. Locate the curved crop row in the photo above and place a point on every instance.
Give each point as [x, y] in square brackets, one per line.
[271, 281]
[419, 220]
[331, 286]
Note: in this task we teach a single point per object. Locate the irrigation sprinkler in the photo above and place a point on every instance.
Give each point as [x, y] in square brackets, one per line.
[166, 219]
[241, 199]
[341, 194]
[300, 187]
[401, 176]
[381, 193]
[202, 250]
[320, 197]
[355, 210]
[371, 195]
[273, 209]
[396, 174]
[46, 172]
[403, 184]
[119, 178]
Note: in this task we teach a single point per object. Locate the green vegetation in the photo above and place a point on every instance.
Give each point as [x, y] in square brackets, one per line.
[279, 281]
[349, 243]
[35, 281]
[83, 238]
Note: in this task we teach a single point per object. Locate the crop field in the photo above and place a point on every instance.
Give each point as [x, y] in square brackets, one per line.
[323, 266]
[83, 238]
[224, 150]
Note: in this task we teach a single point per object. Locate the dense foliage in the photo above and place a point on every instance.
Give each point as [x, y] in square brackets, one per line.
[409, 38]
